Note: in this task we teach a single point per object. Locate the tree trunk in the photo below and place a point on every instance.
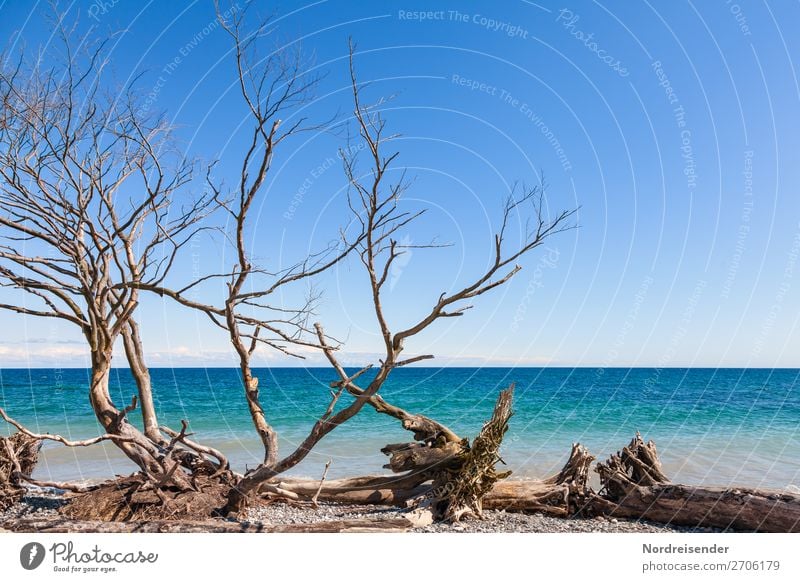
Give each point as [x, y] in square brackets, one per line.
[267, 434]
[141, 374]
[368, 490]
[635, 486]
[140, 449]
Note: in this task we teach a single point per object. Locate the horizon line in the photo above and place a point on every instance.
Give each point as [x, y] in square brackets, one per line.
[496, 366]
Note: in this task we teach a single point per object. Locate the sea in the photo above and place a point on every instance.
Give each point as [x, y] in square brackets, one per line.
[720, 427]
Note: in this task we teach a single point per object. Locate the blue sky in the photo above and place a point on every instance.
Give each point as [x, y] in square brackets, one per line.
[673, 125]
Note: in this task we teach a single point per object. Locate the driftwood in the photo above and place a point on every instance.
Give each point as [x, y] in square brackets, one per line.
[368, 490]
[137, 498]
[634, 486]
[448, 481]
[458, 492]
[461, 474]
[18, 456]
[561, 495]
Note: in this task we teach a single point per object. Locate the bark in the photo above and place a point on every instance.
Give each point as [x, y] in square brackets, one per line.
[266, 433]
[141, 374]
[140, 450]
[635, 486]
[157, 465]
[420, 458]
[738, 509]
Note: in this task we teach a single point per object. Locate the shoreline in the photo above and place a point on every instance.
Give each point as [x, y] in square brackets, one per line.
[38, 509]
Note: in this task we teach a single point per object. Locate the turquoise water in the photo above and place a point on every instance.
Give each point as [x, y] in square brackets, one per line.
[711, 426]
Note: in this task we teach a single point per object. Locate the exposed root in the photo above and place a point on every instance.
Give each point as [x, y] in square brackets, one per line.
[459, 493]
[19, 454]
[635, 486]
[566, 494]
[635, 465]
[137, 498]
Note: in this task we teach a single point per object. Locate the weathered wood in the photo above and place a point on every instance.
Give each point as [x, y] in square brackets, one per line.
[368, 490]
[517, 495]
[458, 492]
[19, 454]
[738, 509]
[565, 494]
[635, 486]
[562, 495]
[420, 457]
[207, 526]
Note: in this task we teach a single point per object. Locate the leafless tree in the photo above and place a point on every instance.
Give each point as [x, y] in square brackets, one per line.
[95, 201]
[272, 88]
[96, 208]
[375, 209]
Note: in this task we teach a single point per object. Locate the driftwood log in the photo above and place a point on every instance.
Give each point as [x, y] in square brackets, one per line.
[562, 495]
[460, 473]
[633, 485]
[19, 454]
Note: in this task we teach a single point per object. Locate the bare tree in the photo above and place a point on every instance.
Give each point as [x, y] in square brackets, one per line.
[272, 88]
[375, 209]
[95, 201]
[92, 218]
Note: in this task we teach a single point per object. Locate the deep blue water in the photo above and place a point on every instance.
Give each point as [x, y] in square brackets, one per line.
[712, 426]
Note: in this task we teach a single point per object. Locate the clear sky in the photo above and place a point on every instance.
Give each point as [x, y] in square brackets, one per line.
[675, 126]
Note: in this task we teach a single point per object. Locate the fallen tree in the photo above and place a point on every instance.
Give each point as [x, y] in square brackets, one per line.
[634, 486]
[83, 252]
[562, 495]
[18, 456]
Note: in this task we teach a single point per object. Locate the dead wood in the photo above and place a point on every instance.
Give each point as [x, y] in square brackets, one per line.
[369, 490]
[565, 494]
[137, 498]
[19, 454]
[459, 492]
[634, 486]
[561, 495]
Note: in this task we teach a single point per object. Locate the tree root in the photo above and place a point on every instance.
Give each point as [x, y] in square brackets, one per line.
[635, 486]
[137, 498]
[19, 454]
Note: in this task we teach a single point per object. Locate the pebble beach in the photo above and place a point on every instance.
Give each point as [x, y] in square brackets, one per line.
[43, 504]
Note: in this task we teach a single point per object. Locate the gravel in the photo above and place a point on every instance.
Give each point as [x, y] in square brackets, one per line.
[44, 503]
[494, 522]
